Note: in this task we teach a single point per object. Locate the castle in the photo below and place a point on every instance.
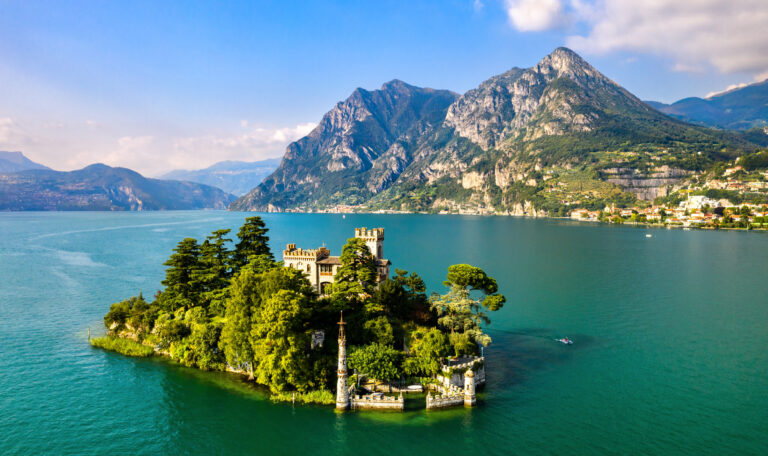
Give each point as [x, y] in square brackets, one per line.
[320, 267]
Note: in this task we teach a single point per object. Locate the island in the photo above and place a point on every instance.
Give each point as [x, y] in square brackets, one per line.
[233, 307]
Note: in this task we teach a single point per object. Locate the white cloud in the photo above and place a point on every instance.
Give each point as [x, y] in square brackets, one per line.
[729, 35]
[81, 143]
[135, 142]
[535, 15]
[12, 136]
[727, 89]
[257, 142]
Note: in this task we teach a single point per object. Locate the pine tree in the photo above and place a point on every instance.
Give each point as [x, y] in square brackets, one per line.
[214, 272]
[253, 242]
[182, 289]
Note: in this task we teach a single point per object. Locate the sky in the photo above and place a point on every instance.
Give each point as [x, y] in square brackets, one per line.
[162, 85]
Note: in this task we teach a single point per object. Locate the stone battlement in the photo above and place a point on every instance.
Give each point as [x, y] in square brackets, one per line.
[464, 363]
[375, 233]
[375, 401]
[292, 252]
[444, 400]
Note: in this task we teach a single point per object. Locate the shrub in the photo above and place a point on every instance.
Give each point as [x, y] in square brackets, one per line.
[310, 397]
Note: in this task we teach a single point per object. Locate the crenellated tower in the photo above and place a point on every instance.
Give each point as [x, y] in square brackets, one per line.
[374, 239]
[342, 389]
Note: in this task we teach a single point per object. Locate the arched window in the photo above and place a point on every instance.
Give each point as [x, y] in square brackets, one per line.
[308, 268]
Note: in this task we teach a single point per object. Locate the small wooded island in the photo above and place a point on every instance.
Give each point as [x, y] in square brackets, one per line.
[241, 311]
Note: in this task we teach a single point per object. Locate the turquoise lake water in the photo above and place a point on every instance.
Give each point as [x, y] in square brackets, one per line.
[670, 353]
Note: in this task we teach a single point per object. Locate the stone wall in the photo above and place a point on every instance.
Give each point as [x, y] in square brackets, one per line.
[457, 368]
[370, 401]
[444, 400]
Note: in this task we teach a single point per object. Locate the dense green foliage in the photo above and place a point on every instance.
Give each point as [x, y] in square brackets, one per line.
[219, 311]
[755, 161]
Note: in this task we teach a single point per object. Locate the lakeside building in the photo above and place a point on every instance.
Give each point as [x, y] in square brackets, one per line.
[320, 267]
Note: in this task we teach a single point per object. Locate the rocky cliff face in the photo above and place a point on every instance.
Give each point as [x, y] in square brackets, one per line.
[359, 148]
[518, 143]
[649, 185]
[504, 105]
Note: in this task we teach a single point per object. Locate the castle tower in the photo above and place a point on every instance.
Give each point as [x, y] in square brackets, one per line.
[469, 389]
[374, 239]
[342, 391]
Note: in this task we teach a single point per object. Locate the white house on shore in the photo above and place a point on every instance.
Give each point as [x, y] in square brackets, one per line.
[320, 267]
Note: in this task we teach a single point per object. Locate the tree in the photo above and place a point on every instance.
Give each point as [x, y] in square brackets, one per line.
[253, 242]
[381, 330]
[418, 308]
[357, 274]
[201, 348]
[182, 289]
[235, 335]
[427, 346]
[248, 292]
[377, 361]
[472, 278]
[133, 314]
[279, 343]
[389, 298]
[169, 330]
[462, 314]
[745, 211]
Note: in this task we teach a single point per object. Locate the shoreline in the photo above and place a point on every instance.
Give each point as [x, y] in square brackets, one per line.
[481, 214]
[117, 344]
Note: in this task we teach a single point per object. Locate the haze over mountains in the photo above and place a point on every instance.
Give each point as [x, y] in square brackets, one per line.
[99, 188]
[522, 141]
[16, 161]
[235, 177]
[742, 108]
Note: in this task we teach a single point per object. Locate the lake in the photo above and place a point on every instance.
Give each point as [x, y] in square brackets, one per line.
[669, 356]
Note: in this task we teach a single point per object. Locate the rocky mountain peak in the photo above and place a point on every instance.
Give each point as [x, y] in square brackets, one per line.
[563, 62]
[505, 105]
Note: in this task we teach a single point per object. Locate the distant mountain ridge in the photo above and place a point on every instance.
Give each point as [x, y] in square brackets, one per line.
[99, 187]
[16, 161]
[519, 142]
[737, 109]
[235, 177]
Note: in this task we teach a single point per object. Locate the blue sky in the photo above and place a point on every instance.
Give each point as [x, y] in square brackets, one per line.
[162, 85]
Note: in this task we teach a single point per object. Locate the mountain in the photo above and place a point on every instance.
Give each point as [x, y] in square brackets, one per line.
[236, 177]
[358, 148]
[102, 188]
[16, 161]
[526, 141]
[738, 109]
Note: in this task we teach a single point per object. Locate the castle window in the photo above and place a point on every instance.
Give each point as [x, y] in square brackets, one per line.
[308, 268]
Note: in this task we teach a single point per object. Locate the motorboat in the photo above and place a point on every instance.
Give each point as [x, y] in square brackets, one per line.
[565, 341]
